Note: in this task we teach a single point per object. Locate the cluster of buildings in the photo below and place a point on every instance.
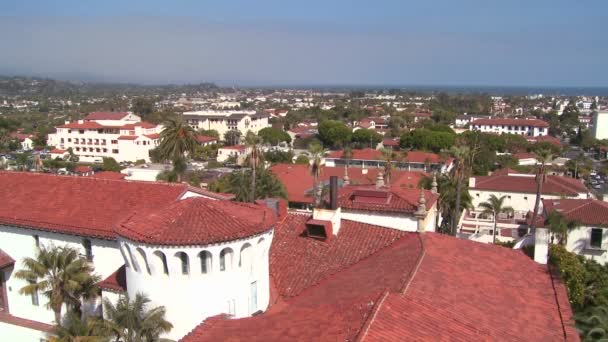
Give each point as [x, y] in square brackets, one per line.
[257, 271]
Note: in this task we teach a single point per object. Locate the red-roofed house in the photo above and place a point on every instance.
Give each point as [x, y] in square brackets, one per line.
[239, 152]
[83, 170]
[205, 140]
[527, 127]
[119, 135]
[590, 238]
[371, 158]
[26, 140]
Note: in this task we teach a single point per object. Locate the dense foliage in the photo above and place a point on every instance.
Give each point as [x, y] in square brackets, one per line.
[274, 136]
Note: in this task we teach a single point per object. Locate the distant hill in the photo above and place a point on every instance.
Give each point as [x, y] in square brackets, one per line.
[46, 87]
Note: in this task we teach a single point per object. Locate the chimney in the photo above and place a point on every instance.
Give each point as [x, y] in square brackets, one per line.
[434, 183]
[541, 245]
[471, 182]
[379, 180]
[333, 192]
[333, 213]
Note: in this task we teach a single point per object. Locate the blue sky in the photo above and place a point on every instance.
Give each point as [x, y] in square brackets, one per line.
[433, 42]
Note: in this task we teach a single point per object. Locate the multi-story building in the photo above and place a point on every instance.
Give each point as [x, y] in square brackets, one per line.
[230, 120]
[120, 135]
[600, 125]
[527, 127]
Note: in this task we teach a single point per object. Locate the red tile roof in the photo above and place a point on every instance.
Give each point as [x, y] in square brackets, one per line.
[85, 125]
[152, 136]
[545, 138]
[58, 151]
[116, 281]
[211, 194]
[109, 175]
[391, 142]
[368, 198]
[21, 136]
[106, 115]
[407, 287]
[511, 122]
[197, 221]
[524, 155]
[204, 139]
[142, 124]
[5, 260]
[82, 169]
[454, 296]
[85, 206]
[554, 185]
[584, 211]
[128, 137]
[372, 154]
[298, 181]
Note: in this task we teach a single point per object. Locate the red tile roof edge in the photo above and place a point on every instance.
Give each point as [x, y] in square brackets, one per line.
[5, 259]
[370, 320]
[116, 282]
[24, 322]
[563, 304]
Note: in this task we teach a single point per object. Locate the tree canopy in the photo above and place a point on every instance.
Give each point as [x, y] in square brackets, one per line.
[334, 133]
[274, 136]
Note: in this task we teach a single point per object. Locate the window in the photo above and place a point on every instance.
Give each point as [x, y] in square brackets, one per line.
[69, 139]
[36, 240]
[231, 307]
[88, 249]
[35, 300]
[526, 198]
[206, 259]
[161, 263]
[509, 197]
[253, 297]
[183, 258]
[245, 257]
[225, 259]
[114, 141]
[596, 238]
[115, 151]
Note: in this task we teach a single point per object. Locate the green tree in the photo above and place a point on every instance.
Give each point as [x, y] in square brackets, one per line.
[274, 136]
[592, 323]
[334, 133]
[302, 159]
[560, 226]
[232, 137]
[110, 164]
[425, 139]
[495, 206]
[255, 158]
[541, 176]
[143, 107]
[316, 153]
[77, 329]
[177, 139]
[132, 320]
[461, 155]
[59, 273]
[388, 156]
[366, 138]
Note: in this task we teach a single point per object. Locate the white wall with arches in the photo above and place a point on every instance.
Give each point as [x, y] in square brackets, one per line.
[196, 282]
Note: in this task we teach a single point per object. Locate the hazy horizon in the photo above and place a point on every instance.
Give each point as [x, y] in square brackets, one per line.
[442, 43]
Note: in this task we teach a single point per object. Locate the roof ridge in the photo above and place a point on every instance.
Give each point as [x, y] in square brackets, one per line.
[370, 320]
[42, 174]
[413, 273]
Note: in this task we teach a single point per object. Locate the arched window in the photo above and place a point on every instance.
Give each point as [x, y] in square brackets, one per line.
[142, 259]
[124, 255]
[132, 259]
[245, 261]
[183, 259]
[206, 262]
[160, 264]
[226, 259]
[261, 249]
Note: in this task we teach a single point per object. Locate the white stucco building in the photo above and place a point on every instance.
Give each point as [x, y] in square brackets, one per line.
[119, 135]
[224, 121]
[527, 127]
[239, 152]
[600, 125]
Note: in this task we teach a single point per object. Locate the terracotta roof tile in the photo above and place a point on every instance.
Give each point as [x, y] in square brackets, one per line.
[116, 281]
[372, 154]
[583, 211]
[197, 221]
[368, 198]
[204, 139]
[109, 175]
[555, 185]
[128, 137]
[84, 206]
[5, 260]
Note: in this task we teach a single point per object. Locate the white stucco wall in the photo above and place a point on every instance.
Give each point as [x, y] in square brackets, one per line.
[15, 333]
[407, 223]
[578, 242]
[517, 200]
[191, 298]
[19, 243]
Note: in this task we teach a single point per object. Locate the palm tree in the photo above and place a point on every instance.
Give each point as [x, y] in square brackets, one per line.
[592, 323]
[543, 156]
[460, 154]
[59, 273]
[447, 199]
[253, 142]
[76, 329]
[177, 139]
[388, 156]
[347, 154]
[130, 321]
[494, 206]
[316, 151]
[560, 226]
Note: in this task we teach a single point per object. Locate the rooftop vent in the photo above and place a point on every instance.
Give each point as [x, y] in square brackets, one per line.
[318, 229]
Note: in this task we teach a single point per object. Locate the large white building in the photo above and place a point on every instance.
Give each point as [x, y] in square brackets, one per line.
[228, 120]
[527, 127]
[241, 271]
[120, 135]
[600, 125]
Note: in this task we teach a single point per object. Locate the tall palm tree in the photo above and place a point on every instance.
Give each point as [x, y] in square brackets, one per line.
[76, 329]
[130, 321]
[347, 154]
[388, 156]
[460, 153]
[495, 206]
[176, 139]
[59, 273]
[316, 151]
[447, 198]
[541, 176]
[253, 142]
[560, 226]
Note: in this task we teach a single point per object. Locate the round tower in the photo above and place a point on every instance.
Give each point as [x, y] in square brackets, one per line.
[199, 258]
